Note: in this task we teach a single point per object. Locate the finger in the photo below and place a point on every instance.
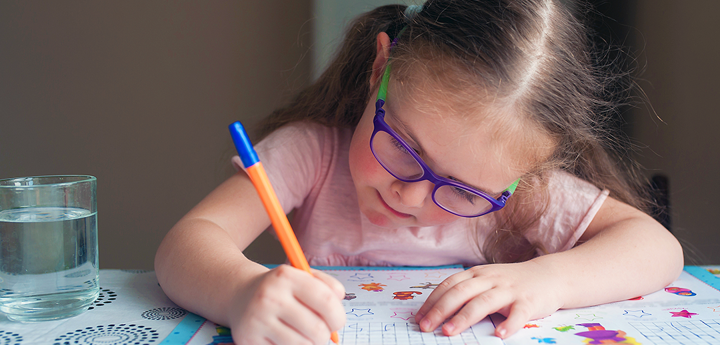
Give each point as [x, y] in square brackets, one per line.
[265, 331]
[452, 300]
[306, 323]
[310, 293]
[318, 297]
[285, 333]
[438, 292]
[333, 283]
[519, 316]
[475, 310]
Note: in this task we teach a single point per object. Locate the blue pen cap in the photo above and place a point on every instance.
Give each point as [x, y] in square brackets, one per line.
[243, 145]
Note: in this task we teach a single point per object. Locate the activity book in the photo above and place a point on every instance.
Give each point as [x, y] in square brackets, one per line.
[381, 302]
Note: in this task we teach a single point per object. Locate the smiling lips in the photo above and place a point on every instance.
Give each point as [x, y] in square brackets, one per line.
[396, 213]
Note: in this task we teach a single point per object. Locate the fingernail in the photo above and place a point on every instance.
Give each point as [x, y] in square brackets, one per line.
[425, 325]
[502, 332]
[449, 327]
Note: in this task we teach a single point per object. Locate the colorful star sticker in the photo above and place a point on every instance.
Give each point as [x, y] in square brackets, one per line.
[684, 313]
[375, 287]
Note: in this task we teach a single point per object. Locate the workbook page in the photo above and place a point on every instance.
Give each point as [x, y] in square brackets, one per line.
[686, 312]
[380, 306]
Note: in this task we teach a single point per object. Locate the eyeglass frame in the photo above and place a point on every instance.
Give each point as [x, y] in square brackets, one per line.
[427, 175]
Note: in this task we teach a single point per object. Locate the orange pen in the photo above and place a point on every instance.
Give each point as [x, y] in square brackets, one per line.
[279, 220]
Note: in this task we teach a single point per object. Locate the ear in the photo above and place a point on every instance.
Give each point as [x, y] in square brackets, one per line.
[381, 57]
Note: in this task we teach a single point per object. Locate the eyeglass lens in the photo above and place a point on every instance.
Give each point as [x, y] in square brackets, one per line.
[395, 158]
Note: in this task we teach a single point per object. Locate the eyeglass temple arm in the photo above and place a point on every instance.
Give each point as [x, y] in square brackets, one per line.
[509, 191]
[513, 186]
[382, 92]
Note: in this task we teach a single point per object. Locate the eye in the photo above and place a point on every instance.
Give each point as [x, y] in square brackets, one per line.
[461, 193]
[400, 146]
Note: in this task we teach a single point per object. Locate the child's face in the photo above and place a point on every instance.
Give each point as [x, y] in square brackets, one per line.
[460, 146]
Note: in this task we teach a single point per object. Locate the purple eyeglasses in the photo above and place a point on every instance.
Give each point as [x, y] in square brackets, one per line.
[401, 161]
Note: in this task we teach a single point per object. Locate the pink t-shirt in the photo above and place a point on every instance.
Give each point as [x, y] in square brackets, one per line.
[308, 166]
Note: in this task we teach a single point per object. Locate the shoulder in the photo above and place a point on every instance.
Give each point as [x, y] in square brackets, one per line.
[306, 131]
[571, 205]
[563, 181]
[306, 149]
[569, 195]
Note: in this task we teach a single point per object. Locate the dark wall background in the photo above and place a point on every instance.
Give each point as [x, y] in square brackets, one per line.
[140, 93]
[678, 46]
[672, 122]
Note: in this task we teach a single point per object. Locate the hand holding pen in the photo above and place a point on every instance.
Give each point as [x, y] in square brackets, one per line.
[279, 220]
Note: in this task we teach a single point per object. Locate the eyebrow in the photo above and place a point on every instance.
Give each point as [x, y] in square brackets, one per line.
[406, 130]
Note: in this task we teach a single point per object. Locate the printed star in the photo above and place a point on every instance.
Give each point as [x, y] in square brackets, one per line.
[587, 316]
[360, 312]
[636, 313]
[433, 275]
[684, 313]
[406, 315]
[360, 276]
[397, 276]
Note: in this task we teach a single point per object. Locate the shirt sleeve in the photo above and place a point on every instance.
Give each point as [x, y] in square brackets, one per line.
[293, 159]
[572, 205]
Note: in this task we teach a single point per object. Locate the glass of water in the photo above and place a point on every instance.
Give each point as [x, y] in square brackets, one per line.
[48, 246]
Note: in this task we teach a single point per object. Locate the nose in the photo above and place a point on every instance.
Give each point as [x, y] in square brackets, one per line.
[413, 194]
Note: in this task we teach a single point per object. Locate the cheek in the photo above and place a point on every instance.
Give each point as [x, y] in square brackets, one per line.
[364, 168]
[439, 216]
[434, 215]
[363, 165]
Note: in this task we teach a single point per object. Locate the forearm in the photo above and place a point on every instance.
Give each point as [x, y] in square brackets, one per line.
[201, 268]
[632, 257]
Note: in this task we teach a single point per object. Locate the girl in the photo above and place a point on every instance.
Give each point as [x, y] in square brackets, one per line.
[462, 132]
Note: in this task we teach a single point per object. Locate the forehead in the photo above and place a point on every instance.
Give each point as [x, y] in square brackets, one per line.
[457, 133]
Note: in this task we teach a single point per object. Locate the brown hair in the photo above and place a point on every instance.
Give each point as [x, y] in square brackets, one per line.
[534, 54]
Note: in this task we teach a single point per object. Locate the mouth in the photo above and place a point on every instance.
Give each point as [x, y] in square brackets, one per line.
[396, 213]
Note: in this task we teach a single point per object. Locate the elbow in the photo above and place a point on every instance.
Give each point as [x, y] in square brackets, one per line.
[680, 256]
[163, 259]
[675, 258]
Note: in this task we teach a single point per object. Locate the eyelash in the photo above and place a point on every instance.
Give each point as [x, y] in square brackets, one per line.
[470, 197]
[400, 146]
